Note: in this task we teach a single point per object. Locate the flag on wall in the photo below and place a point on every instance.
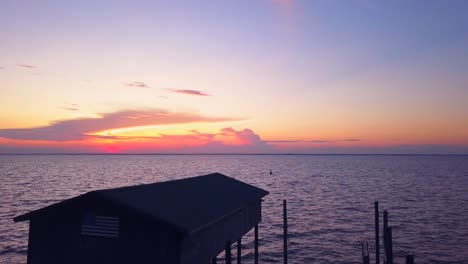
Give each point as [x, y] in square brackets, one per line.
[102, 226]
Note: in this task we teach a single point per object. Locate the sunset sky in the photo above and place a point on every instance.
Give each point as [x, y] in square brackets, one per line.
[234, 76]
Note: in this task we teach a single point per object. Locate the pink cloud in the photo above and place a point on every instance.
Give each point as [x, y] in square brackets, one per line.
[227, 140]
[137, 85]
[77, 129]
[190, 92]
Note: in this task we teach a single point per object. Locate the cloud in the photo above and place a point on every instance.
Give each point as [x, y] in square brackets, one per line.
[300, 141]
[78, 129]
[71, 107]
[244, 137]
[27, 66]
[137, 85]
[190, 92]
[351, 140]
[226, 140]
[226, 136]
[1, 68]
[317, 141]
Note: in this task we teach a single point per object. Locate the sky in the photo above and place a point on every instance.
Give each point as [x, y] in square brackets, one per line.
[234, 76]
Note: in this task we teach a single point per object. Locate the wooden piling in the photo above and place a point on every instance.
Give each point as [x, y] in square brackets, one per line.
[384, 234]
[365, 253]
[389, 246]
[385, 223]
[377, 242]
[239, 253]
[228, 252]
[410, 259]
[256, 244]
[285, 230]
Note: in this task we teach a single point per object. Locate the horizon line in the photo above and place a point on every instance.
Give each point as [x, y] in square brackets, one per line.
[239, 154]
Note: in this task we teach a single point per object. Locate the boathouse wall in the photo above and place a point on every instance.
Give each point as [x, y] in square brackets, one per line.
[57, 238]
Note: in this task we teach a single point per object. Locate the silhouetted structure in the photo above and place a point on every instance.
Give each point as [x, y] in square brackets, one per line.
[387, 241]
[183, 221]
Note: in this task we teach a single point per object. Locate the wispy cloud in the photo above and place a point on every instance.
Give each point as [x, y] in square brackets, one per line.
[300, 141]
[71, 107]
[137, 85]
[351, 140]
[1, 68]
[27, 66]
[316, 141]
[189, 92]
[78, 129]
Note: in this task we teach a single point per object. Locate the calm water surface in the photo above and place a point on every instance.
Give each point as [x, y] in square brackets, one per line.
[330, 199]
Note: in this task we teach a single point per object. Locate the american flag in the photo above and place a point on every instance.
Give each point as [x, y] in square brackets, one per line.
[103, 226]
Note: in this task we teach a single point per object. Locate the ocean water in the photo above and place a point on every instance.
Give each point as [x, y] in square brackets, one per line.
[330, 199]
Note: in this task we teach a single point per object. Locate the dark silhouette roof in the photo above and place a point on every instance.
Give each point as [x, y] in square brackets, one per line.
[187, 204]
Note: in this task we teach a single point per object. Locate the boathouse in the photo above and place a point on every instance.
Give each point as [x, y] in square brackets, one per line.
[183, 221]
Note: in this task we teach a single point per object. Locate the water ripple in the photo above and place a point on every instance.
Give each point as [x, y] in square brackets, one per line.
[330, 199]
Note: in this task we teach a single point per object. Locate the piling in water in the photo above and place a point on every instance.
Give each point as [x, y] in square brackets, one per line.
[377, 242]
[285, 236]
[389, 247]
[410, 259]
[365, 253]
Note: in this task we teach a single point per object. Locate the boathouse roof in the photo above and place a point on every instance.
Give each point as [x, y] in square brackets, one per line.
[187, 204]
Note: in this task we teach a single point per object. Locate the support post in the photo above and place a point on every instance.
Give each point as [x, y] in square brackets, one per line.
[410, 259]
[285, 236]
[385, 223]
[256, 244]
[384, 235]
[214, 260]
[377, 238]
[390, 246]
[239, 251]
[365, 253]
[228, 252]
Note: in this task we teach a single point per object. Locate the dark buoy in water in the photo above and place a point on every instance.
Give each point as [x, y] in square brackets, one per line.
[271, 172]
